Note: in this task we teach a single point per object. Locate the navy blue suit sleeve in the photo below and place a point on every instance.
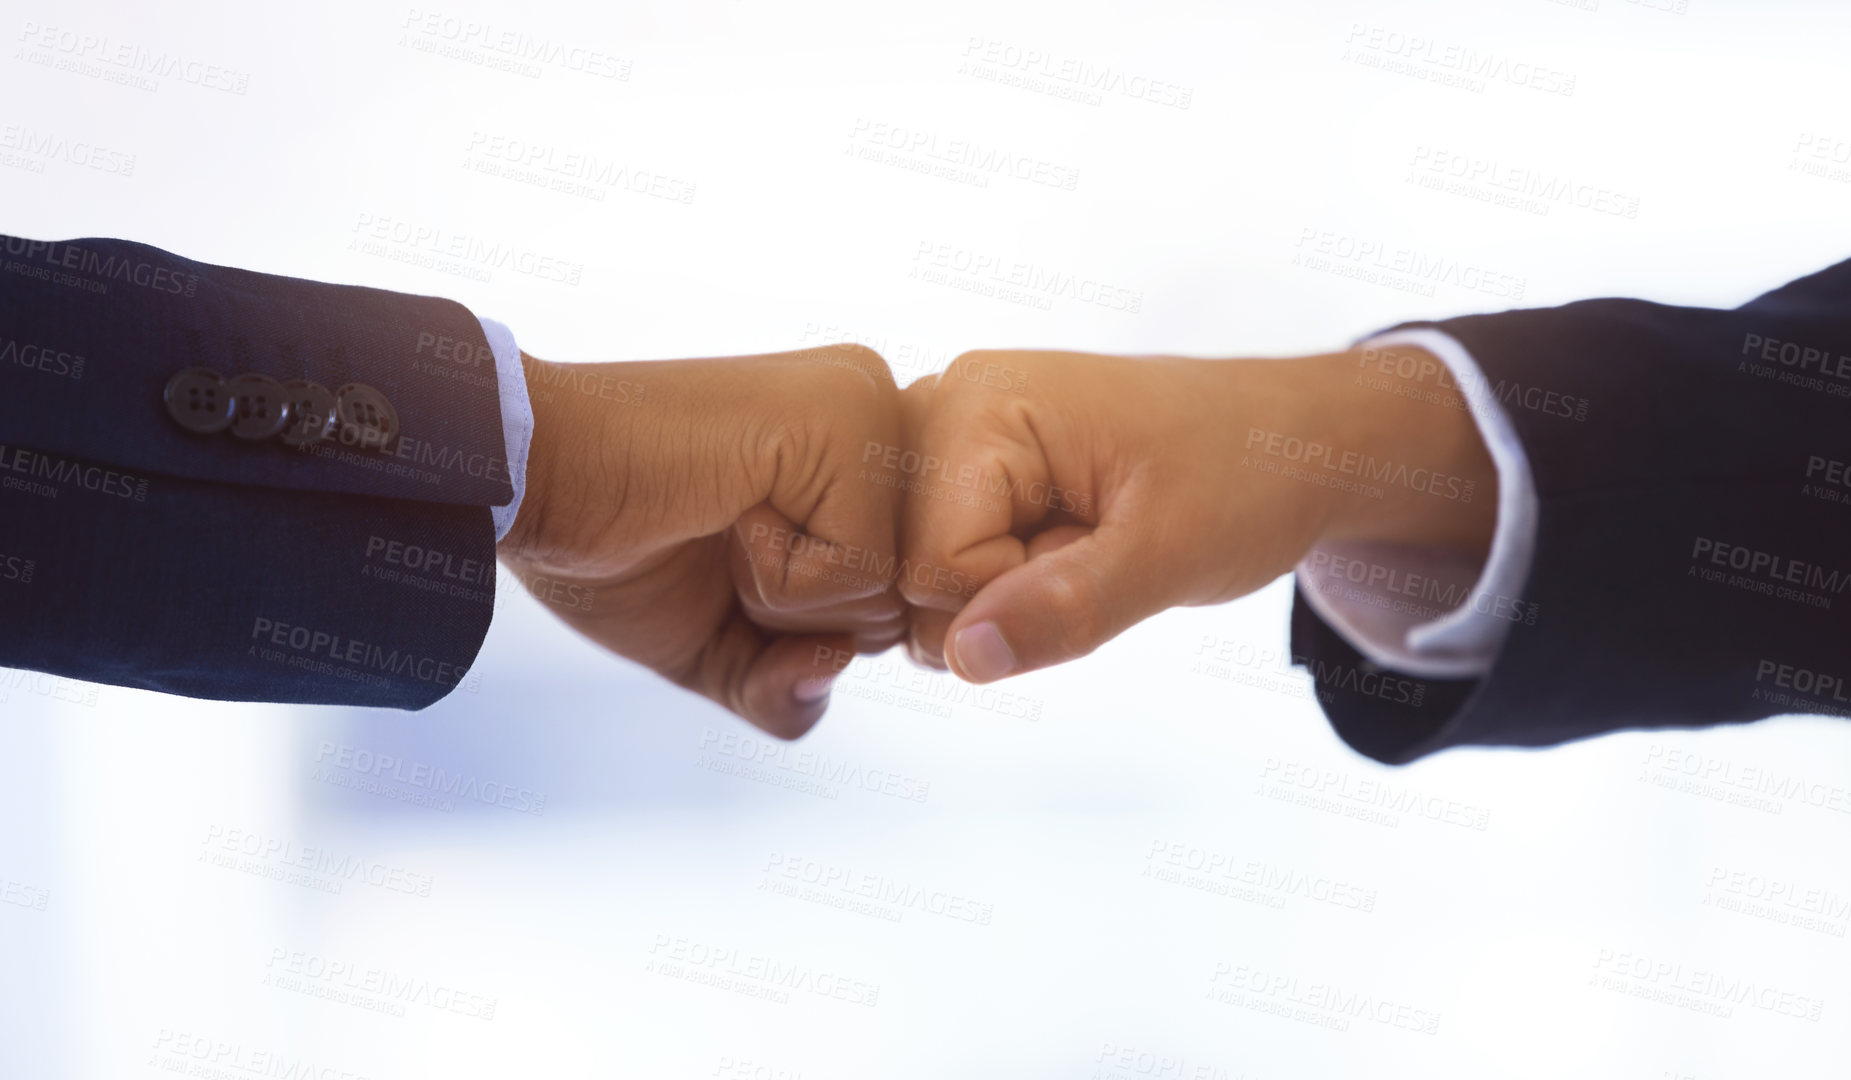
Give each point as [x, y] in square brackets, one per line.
[137, 553]
[1693, 550]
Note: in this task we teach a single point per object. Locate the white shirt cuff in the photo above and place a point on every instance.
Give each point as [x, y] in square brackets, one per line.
[516, 418]
[1409, 608]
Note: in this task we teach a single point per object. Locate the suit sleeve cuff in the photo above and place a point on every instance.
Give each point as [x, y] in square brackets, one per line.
[1429, 612]
[516, 418]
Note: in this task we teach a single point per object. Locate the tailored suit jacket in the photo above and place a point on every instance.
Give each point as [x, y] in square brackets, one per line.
[1692, 558]
[136, 552]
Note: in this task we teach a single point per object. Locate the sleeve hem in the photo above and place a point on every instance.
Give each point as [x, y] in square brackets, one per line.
[516, 418]
[1462, 642]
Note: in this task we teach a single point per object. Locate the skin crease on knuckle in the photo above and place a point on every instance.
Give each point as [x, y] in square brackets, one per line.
[813, 428]
[833, 412]
[1077, 612]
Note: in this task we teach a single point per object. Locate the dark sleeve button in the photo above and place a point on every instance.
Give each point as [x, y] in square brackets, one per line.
[199, 400]
[261, 406]
[366, 418]
[311, 413]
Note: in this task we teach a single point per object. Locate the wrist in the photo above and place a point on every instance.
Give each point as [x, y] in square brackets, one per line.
[588, 501]
[1405, 459]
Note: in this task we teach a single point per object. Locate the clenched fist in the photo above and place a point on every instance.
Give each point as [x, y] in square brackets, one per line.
[725, 517]
[1082, 494]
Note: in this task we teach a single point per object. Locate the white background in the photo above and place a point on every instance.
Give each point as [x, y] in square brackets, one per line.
[1303, 127]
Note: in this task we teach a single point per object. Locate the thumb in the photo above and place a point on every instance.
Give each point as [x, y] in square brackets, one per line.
[1059, 605]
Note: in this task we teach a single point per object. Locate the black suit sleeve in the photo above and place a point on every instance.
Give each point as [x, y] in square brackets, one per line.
[139, 553]
[1693, 550]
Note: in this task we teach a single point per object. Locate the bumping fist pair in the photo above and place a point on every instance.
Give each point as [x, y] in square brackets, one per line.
[745, 523]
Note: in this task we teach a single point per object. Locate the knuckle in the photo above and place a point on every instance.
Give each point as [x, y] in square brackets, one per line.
[916, 594]
[975, 359]
[976, 356]
[778, 597]
[1075, 612]
[856, 366]
[927, 582]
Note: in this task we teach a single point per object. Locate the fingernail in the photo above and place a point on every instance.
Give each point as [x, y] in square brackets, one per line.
[983, 655]
[813, 689]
